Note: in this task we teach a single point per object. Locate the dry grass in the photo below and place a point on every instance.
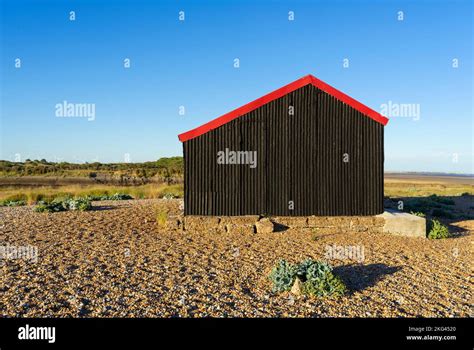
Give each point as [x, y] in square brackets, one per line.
[161, 218]
[426, 187]
[394, 187]
[33, 194]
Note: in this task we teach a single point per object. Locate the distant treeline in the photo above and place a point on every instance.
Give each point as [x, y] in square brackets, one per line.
[163, 169]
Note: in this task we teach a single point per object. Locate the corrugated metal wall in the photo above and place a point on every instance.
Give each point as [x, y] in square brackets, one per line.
[299, 160]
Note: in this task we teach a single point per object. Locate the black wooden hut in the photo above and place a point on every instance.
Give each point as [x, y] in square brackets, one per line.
[304, 149]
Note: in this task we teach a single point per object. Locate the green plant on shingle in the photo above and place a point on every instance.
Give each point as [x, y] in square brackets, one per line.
[317, 278]
[309, 268]
[437, 230]
[58, 205]
[161, 218]
[115, 197]
[80, 204]
[119, 197]
[50, 207]
[324, 285]
[314, 234]
[283, 276]
[171, 192]
[12, 203]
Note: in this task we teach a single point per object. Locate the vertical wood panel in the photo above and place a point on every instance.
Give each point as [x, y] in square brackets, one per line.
[299, 158]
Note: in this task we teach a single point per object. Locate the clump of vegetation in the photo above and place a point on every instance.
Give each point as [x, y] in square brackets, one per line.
[314, 234]
[115, 197]
[161, 213]
[12, 203]
[119, 197]
[13, 200]
[283, 276]
[81, 204]
[50, 207]
[316, 277]
[170, 192]
[162, 218]
[438, 230]
[57, 205]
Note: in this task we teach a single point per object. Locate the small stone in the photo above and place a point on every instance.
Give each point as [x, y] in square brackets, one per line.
[264, 226]
[296, 289]
[236, 252]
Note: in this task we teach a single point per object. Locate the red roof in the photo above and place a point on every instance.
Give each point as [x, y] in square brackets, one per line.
[309, 79]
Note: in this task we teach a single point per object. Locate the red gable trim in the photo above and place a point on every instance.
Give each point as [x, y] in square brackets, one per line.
[309, 79]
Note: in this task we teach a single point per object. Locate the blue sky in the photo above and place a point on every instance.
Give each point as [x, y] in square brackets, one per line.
[190, 63]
